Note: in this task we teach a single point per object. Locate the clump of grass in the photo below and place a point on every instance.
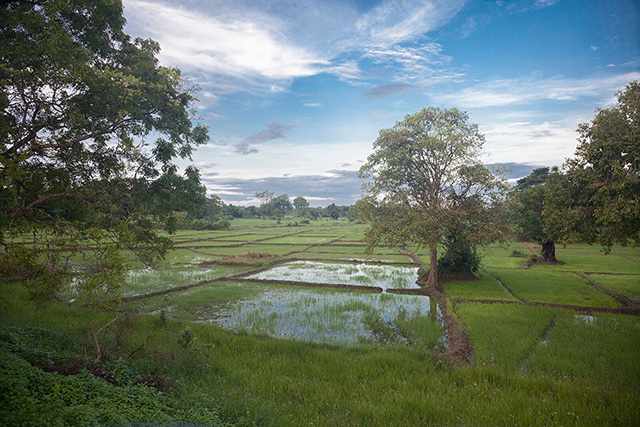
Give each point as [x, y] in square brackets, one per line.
[517, 253]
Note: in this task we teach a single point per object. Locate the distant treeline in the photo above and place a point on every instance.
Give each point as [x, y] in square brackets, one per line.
[215, 214]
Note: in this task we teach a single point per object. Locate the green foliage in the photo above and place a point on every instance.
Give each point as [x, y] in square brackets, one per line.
[81, 102]
[279, 206]
[186, 338]
[596, 199]
[301, 206]
[42, 272]
[201, 224]
[460, 258]
[332, 211]
[83, 399]
[425, 180]
[528, 202]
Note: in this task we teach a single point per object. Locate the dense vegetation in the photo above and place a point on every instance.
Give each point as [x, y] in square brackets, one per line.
[108, 316]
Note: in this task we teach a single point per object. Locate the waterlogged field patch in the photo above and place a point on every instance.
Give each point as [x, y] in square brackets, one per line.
[383, 276]
[148, 279]
[353, 257]
[334, 317]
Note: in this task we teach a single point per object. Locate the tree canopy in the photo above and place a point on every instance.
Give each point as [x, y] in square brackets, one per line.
[425, 179]
[528, 198]
[597, 198]
[89, 130]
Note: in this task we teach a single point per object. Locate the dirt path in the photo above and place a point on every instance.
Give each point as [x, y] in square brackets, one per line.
[460, 351]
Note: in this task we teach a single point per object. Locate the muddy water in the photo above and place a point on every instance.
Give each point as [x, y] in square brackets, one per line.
[384, 276]
[325, 316]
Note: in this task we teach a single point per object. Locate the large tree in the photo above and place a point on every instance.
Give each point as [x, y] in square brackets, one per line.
[301, 205]
[279, 206]
[89, 130]
[597, 198]
[527, 198]
[425, 179]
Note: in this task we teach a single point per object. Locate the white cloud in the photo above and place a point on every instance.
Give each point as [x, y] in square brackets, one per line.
[544, 3]
[469, 26]
[237, 46]
[538, 143]
[348, 71]
[395, 21]
[312, 104]
[215, 116]
[262, 46]
[522, 91]
[423, 65]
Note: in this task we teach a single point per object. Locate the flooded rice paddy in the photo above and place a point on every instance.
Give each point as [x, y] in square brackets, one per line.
[383, 276]
[334, 317]
[318, 315]
[149, 279]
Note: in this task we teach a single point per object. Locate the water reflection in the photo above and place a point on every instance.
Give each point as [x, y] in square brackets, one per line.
[335, 317]
[384, 276]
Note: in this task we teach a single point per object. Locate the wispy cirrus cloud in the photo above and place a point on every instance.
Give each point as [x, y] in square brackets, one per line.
[544, 3]
[504, 92]
[423, 65]
[250, 46]
[261, 47]
[396, 21]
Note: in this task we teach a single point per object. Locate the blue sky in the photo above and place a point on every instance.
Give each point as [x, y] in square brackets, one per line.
[295, 92]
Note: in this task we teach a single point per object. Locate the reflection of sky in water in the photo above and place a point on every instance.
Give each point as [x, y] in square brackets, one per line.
[384, 276]
[317, 316]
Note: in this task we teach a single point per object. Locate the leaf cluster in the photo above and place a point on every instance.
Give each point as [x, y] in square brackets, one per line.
[90, 127]
[425, 179]
[597, 198]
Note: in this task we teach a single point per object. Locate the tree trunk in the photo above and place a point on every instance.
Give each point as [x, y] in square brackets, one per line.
[549, 251]
[433, 263]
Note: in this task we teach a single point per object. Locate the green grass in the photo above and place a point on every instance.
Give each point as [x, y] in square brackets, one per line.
[600, 349]
[181, 256]
[501, 256]
[581, 373]
[208, 243]
[301, 240]
[552, 287]
[267, 381]
[503, 335]
[627, 284]
[255, 248]
[486, 287]
[588, 258]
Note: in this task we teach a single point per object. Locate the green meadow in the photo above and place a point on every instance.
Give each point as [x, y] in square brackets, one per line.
[259, 340]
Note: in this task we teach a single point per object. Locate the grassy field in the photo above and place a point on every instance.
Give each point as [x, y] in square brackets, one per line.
[242, 348]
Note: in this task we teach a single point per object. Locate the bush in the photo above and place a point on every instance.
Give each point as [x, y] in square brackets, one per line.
[30, 396]
[460, 260]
